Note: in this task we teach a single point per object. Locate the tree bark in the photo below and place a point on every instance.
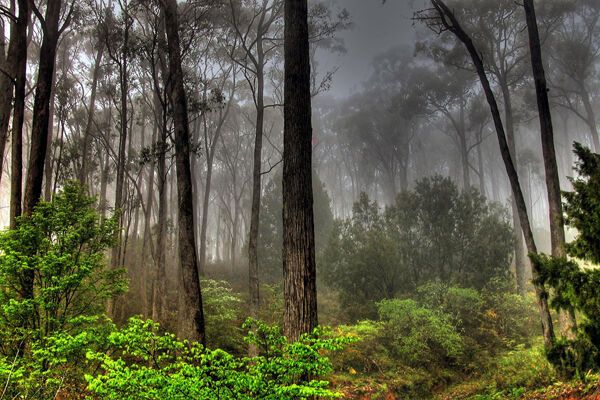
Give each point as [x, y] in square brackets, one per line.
[450, 22]
[300, 290]
[41, 106]
[8, 63]
[16, 183]
[187, 245]
[557, 227]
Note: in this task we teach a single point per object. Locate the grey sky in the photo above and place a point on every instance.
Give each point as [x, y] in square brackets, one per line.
[377, 27]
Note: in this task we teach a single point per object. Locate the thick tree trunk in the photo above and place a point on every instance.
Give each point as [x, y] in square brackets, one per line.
[300, 290]
[451, 23]
[557, 228]
[187, 245]
[41, 107]
[16, 183]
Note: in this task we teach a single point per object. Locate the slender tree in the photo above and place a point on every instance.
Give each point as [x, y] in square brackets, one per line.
[185, 212]
[557, 225]
[299, 270]
[19, 111]
[445, 20]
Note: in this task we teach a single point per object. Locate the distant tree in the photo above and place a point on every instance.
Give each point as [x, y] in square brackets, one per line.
[431, 233]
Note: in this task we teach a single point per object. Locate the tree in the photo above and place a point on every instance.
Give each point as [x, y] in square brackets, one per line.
[187, 242]
[299, 267]
[271, 227]
[557, 229]
[252, 30]
[443, 19]
[16, 181]
[431, 233]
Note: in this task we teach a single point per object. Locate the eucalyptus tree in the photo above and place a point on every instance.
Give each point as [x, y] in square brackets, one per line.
[441, 19]
[16, 181]
[299, 266]
[256, 24]
[193, 313]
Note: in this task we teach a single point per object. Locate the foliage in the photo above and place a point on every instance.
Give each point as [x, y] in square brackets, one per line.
[582, 206]
[431, 233]
[418, 335]
[575, 287]
[149, 365]
[222, 314]
[61, 245]
[523, 367]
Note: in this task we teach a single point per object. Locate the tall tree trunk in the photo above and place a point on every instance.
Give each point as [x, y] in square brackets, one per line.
[253, 268]
[520, 261]
[8, 63]
[121, 162]
[87, 135]
[16, 183]
[451, 23]
[159, 282]
[299, 283]
[49, 163]
[187, 245]
[557, 228]
[41, 107]
[481, 169]
[464, 147]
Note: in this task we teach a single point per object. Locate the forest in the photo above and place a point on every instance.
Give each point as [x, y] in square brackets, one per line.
[299, 199]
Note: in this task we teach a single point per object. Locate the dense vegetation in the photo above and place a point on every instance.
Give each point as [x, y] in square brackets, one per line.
[191, 208]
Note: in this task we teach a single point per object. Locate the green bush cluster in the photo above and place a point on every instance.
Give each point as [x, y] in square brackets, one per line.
[444, 333]
[55, 340]
[434, 232]
[145, 364]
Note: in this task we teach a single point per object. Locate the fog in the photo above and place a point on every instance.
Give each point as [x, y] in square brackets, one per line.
[440, 152]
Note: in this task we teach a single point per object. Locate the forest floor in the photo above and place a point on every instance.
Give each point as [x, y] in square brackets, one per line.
[377, 389]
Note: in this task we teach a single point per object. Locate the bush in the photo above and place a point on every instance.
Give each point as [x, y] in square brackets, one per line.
[431, 233]
[222, 313]
[523, 368]
[53, 288]
[148, 365]
[368, 354]
[419, 336]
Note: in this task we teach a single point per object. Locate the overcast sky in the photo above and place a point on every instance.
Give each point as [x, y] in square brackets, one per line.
[376, 28]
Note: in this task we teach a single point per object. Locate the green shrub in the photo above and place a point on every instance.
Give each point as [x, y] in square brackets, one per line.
[417, 335]
[523, 368]
[149, 365]
[366, 355]
[46, 327]
[222, 313]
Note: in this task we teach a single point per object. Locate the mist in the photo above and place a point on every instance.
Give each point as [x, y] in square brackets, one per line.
[416, 178]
